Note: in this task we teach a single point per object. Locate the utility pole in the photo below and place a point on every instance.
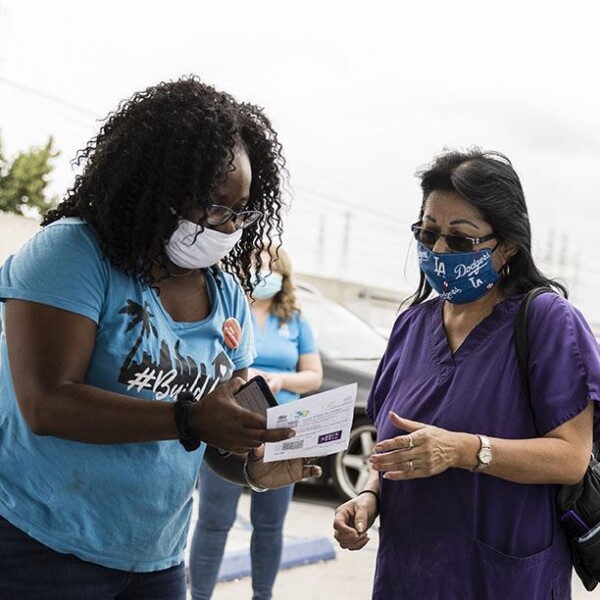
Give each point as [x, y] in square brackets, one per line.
[345, 252]
[563, 253]
[1, 37]
[550, 249]
[320, 246]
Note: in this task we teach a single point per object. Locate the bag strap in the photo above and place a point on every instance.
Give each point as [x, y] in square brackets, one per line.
[523, 350]
[521, 334]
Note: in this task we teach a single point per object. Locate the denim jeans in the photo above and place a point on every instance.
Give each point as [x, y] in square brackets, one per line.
[217, 512]
[31, 571]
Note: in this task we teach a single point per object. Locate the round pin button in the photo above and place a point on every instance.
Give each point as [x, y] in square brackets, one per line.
[232, 333]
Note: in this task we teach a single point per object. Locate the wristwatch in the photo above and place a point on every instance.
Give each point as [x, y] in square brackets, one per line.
[484, 456]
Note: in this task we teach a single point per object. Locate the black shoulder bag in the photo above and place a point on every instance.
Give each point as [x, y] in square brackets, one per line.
[578, 504]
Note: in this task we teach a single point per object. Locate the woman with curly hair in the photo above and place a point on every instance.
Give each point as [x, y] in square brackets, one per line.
[125, 337]
[289, 361]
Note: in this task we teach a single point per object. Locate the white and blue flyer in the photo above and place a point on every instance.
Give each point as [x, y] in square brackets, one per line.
[322, 423]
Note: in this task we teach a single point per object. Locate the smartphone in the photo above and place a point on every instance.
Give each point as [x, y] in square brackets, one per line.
[574, 524]
[256, 395]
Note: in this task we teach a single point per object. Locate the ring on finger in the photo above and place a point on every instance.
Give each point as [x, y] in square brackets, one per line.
[411, 444]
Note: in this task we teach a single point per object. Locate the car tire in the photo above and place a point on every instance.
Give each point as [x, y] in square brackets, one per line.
[350, 469]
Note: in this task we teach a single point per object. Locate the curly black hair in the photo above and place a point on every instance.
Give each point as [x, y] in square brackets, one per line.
[163, 153]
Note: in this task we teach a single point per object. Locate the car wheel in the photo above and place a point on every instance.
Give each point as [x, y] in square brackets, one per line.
[350, 469]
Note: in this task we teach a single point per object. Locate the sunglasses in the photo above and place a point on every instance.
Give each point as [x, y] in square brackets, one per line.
[456, 243]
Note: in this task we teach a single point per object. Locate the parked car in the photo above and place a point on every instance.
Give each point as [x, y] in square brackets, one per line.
[350, 351]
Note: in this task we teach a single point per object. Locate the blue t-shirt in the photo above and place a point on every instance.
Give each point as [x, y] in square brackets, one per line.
[124, 506]
[279, 347]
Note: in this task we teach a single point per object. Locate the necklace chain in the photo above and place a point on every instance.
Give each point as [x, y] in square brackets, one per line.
[186, 274]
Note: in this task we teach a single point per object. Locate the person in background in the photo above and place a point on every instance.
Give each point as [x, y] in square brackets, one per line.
[466, 465]
[288, 359]
[125, 336]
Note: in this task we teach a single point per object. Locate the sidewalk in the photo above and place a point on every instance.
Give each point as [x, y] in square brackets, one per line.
[308, 528]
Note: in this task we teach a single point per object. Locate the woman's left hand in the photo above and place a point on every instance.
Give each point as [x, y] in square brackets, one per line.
[425, 451]
[254, 373]
[279, 473]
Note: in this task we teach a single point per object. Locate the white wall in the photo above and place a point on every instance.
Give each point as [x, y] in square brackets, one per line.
[14, 232]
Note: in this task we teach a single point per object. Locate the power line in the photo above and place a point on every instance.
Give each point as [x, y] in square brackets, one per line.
[58, 100]
[347, 205]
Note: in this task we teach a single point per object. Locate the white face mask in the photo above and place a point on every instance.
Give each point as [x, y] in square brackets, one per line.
[189, 248]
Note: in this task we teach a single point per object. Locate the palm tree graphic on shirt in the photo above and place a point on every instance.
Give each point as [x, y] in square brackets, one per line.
[139, 315]
[170, 372]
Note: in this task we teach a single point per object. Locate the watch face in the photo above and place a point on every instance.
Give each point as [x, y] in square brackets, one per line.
[485, 456]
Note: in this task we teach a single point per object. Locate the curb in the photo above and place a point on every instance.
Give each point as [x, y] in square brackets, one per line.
[296, 552]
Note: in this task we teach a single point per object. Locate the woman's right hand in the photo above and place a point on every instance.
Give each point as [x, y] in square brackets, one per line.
[221, 422]
[353, 520]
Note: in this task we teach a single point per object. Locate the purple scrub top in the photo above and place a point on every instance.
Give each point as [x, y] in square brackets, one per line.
[472, 536]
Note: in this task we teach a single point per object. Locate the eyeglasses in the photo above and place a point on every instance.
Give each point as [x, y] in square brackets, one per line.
[217, 215]
[456, 243]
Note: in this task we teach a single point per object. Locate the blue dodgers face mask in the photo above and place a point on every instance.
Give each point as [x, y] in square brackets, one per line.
[267, 286]
[458, 277]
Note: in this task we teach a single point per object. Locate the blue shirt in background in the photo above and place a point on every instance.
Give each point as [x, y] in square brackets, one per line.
[279, 346]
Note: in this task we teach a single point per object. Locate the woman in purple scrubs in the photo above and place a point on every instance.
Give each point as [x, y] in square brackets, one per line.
[466, 465]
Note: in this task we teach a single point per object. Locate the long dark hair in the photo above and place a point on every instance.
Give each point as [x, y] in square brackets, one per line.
[488, 181]
[163, 153]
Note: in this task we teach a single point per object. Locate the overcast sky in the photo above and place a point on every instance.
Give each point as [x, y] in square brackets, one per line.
[362, 94]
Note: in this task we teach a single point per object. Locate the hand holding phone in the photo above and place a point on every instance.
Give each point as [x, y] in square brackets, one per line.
[255, 395]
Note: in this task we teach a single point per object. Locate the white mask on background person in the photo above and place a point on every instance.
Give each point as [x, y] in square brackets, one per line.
[191, 248]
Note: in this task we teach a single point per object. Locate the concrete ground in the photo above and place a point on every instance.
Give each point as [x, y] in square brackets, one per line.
[348, 576]
[310, 518]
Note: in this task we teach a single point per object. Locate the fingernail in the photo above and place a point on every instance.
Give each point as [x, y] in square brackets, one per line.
[360, 527]
[291, 434]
